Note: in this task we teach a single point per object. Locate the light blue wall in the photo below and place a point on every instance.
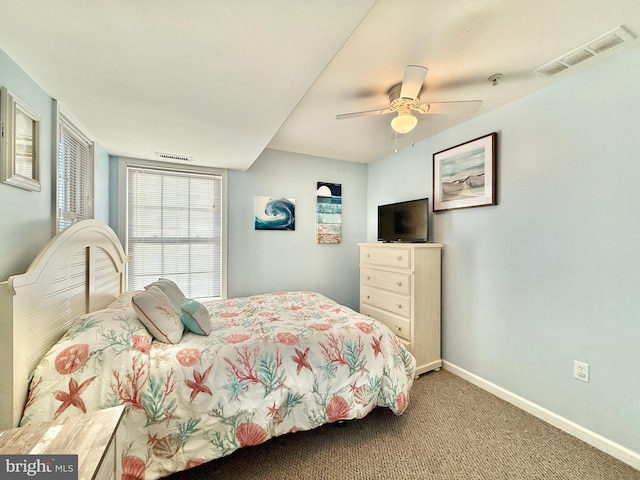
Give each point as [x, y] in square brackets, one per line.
[26, 222]
[27, 219]
[551, 274]
[263, 261]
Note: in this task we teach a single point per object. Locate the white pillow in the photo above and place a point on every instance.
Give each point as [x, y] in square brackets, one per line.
[157, 313]
[195, 316]
[170, 289]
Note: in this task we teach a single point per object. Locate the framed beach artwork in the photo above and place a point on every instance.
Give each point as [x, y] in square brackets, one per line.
[275, 213]
[465, 175]
[328, 212]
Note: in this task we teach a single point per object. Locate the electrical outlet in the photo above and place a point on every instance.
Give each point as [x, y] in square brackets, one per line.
[581, 370]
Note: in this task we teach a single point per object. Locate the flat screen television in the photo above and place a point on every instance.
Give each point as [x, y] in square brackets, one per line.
[404, 221]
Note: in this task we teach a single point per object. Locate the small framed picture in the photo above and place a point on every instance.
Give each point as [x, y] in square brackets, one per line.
[274, 213]
[19, 143]
[465, 175]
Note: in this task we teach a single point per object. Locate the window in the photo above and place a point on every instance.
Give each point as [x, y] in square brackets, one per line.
[75, 174]
[174, 229]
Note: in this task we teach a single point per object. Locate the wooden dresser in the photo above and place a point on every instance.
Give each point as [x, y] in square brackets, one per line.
[400, 286]
[92, 436]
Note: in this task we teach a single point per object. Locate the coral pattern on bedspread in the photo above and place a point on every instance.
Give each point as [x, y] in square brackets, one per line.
[272, 364]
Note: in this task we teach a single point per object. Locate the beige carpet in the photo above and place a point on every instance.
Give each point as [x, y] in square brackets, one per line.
[451, 430]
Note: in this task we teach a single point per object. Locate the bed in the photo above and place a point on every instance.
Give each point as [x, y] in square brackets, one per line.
[269, 364]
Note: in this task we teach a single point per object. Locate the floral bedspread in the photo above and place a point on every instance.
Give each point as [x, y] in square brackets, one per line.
[272, 364]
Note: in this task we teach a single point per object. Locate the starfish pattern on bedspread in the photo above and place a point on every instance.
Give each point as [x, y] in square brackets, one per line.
[197, 385]
[301, 359]
[73, 396]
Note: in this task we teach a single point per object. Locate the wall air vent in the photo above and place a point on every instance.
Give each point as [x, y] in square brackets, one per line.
[174, 157]
[595, 47]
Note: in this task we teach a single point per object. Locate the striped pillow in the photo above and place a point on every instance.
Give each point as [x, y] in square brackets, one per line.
[157, 313]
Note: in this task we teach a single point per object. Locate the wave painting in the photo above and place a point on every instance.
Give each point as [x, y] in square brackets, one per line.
[275, 213]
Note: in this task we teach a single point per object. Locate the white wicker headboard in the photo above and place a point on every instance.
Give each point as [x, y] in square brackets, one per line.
[80, 270]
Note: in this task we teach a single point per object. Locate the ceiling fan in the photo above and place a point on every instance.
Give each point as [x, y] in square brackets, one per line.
[404, 98]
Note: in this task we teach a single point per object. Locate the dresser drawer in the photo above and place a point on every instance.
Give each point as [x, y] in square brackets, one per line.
[393, 281]
[396, 304]
[400, 326]
[398, 257]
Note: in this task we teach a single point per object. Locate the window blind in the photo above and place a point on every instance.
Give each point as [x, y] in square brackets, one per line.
[174, 230]
[75, 174]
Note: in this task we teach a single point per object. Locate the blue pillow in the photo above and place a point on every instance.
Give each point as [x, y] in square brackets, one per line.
[195, 316]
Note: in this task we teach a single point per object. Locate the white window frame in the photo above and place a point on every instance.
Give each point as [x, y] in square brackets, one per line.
[64, 120]
[125, 163]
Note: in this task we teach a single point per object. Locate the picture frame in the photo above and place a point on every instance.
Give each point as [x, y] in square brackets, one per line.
[464, 176]
[19, 143]
[274, 213]
[328, 212]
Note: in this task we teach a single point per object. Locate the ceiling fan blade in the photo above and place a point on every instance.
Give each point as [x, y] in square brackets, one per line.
[469, 106]
[414, 76]
[342, 116]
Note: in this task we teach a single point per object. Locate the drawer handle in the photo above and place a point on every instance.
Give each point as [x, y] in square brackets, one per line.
[368, 297]
[398, 284]
[368, 278]
[399, 258]
[399, 307]
[398, 328]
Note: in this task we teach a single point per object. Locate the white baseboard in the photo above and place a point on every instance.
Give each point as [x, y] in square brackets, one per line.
[595, 440]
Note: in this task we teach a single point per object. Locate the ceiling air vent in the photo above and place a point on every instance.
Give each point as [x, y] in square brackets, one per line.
[174, 157]
[595, 47]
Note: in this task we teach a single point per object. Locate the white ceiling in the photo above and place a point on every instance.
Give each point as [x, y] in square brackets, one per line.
[221, 80]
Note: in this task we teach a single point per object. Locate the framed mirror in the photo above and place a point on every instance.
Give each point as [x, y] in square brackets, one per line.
[19, 143]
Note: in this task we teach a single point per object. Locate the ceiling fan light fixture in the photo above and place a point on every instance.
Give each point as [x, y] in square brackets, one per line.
[404, 122]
